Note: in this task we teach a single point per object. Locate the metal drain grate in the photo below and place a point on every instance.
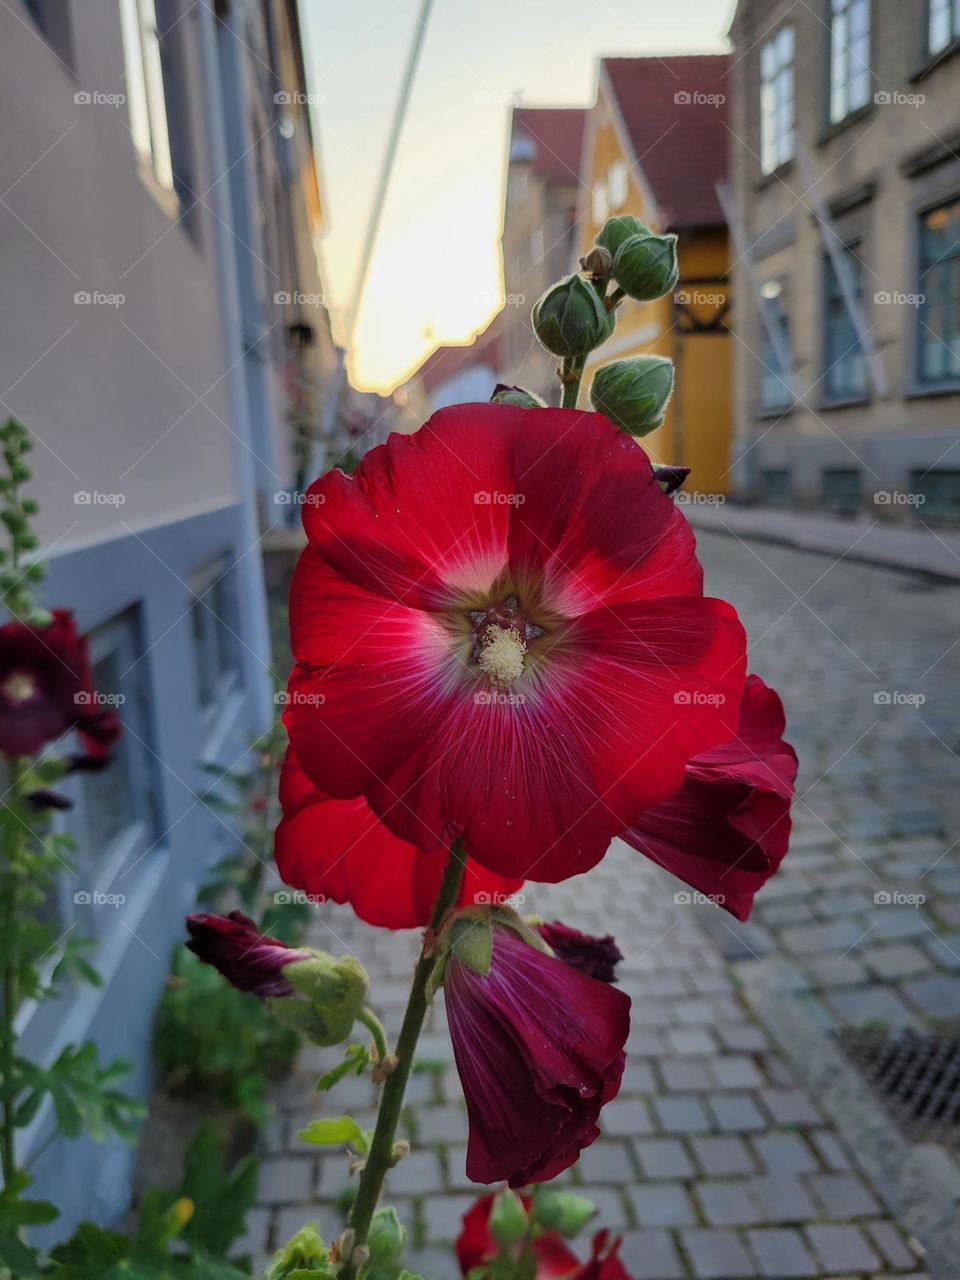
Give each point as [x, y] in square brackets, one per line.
[917, 1075]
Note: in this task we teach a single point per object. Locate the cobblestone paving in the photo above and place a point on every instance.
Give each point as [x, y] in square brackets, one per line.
[715, 1160]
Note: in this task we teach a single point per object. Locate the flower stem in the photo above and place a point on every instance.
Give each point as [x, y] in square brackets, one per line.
[375, 1027]
[571, 371]
[380, 1157]
[8, 923]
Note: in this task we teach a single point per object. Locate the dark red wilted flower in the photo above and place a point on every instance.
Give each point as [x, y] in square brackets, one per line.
[247, 958]
[46, 688]
[500, 635]
[539, 1049]
[555, 1258]
[596, 957]
[339, 849]
[726, 830]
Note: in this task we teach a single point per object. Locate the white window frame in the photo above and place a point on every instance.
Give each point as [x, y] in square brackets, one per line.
[146, 99]
[777, 100]
[849, 57]
[943, 24]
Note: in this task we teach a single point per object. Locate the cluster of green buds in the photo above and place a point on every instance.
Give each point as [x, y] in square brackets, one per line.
[306, 1255]
[577, 314]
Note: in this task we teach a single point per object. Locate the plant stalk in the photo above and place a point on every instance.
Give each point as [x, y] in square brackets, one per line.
[8, 922]
[571, 372]
[380, 1157]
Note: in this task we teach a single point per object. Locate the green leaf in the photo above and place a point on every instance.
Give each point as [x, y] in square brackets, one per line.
[357, 1060]
[221, 1197]
[332, 1133]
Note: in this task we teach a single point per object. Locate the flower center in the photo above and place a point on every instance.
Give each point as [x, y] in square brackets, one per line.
[502, 639]
[501, 655]
[19, 686]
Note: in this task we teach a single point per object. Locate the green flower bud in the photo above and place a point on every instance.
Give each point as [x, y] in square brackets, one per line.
[508, 1218]
[304, 1252]
[561, 1210]
[334, 990]
[570, 319]
[645, 266]
[597, 263]
[615, 230]
[386, 1237]
[503, 394]
[634, 392]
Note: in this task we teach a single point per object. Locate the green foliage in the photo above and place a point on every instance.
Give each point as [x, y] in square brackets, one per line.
[181, 1235]
[215, 1042]
[357, 1060]
[336, 1132]
[82, 1094]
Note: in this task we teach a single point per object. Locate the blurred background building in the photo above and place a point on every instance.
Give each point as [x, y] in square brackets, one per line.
[845, 186]
[164, 338]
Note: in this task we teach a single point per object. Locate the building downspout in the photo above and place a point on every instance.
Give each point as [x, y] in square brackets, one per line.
[253, 621]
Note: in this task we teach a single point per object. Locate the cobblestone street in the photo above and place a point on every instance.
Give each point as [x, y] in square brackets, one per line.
[742, 1144]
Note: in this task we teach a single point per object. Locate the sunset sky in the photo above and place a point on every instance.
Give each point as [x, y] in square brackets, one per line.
[436, 273]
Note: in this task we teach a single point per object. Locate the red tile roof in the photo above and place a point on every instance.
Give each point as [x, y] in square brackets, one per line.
[681, 146]
[556, 134]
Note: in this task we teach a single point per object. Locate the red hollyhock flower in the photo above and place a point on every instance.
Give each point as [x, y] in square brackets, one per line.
[500, 635]
[539, 1049]
[476, 1244]
[46, 688]
[726, 830]
[247, 958]
[596, 957]
[339, 849]
[555, 1259]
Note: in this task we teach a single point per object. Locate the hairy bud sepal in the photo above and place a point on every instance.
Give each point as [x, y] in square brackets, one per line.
[616, 230]
[645, 266]
[516, 396]
[333, 991]
[570, 318]
[633, 393]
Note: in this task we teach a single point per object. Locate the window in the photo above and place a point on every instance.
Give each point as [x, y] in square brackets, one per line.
[213, 622]
[776, 487]
[776, 100]
[117, 816]
[601, 206]
[845, 371]
[617, 185]
[849, 57]
[775, 388]
[840, 490]
[145, 92]
[938, 344]
[941, 494]
[943, 24]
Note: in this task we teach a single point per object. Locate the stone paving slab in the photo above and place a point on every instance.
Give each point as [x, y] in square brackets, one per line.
[719, 1157]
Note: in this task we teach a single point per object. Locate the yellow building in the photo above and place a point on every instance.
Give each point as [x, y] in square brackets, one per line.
[656, 146]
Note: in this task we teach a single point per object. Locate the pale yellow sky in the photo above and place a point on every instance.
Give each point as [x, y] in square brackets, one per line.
[436, 274]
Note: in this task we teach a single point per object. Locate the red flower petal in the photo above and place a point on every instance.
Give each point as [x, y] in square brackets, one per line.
[476, 1244]
[338, 849]
[389, 699]
[726, 830]
[548, 782]
[539, 1049]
